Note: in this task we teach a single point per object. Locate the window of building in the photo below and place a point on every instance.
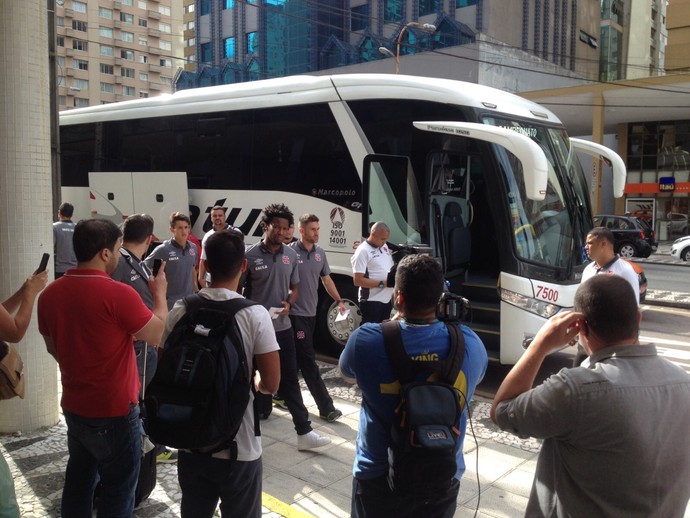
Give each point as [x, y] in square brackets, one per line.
[165, 62]
[359, 17]
[143, 58]
[79, 25]
[164, 10]
[129, 90]
[127, 18]
[127, 2]
[106, 51]
[230, 48]
[142, 4]
[80, 64]
[80, 84]
[166, 80]
[61, 81]
[165, 27]
[105, 32]
[190, 42]
[60, 61]
[127, 54]
[392, 11]
[60, 41]
[189, 8]
[165, 45]
[428, 7]
[143, 22]
[206, 53]
[465, 3]
[79, 7]
[188, 26]
[143, 76]
[107, 69]
[60, 21]
[204, 7]
[127, 36]
[127, 72]
[62, 100]
[106, 13]
[108, 88]
[143, 93]
[143, 40]
[80, 45]
[80, 103]
[228, 4]
[252, 42]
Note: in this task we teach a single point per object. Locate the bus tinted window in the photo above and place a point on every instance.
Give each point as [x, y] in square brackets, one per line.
[296, 149]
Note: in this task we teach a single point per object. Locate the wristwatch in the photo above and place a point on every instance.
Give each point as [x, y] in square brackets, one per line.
[382, 285]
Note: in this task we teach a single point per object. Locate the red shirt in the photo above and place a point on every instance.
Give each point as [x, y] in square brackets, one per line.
[194, 240]
[91, 319]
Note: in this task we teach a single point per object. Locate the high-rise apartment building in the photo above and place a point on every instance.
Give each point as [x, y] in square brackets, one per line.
[678, 26]
[645, 38]
[236, 41]
[118, 50]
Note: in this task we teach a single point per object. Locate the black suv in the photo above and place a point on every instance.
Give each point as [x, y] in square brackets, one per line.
[634, 237]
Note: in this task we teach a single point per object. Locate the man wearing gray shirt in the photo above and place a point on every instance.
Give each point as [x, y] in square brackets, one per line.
[63, 232]
[180, 256]
[615, 428]
[312, 266]
[272, 279]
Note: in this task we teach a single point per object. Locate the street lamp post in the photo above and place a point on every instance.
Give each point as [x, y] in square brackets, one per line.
[415, 25]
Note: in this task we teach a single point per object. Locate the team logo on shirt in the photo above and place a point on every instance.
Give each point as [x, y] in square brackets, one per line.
[300, 335]
[317, 257]
[286, 259]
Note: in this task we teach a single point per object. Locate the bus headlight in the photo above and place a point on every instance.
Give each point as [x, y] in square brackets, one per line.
[538, 307]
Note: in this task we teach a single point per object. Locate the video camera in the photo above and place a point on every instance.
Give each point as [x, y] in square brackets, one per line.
[451, 307]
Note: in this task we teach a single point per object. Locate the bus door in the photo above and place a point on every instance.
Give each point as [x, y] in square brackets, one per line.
[450, 211]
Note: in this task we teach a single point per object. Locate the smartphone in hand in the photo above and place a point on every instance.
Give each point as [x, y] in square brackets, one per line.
[156, 266]
[44, 263]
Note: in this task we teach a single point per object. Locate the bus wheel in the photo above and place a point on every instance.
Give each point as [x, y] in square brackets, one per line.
[332, 332]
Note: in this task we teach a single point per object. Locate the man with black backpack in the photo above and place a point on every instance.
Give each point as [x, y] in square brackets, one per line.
[392, 478]
[230, 469]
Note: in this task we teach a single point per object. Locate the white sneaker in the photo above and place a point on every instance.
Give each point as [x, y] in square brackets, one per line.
[311, 440]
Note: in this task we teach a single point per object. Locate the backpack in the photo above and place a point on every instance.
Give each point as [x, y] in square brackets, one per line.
[424, 433]
[198, 396]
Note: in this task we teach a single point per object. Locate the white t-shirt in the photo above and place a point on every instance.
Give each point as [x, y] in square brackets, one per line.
[376, 262]
[258, 337]
[619, 267]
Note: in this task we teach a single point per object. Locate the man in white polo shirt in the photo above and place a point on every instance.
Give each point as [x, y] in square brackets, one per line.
[371, 263]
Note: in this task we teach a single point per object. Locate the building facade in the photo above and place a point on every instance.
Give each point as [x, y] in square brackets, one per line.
[118, 50]
[678, 26]
[243, 41]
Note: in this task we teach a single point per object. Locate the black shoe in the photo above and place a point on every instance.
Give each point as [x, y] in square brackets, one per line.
[332, 416]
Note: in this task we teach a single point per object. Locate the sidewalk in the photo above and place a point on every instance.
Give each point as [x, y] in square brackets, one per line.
[298, 484]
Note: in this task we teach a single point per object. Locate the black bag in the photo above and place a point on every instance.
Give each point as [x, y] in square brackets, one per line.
[424, 434]
[147, 469]
[197, 399]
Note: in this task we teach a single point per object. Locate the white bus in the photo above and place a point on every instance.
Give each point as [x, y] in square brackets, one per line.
[486, 181]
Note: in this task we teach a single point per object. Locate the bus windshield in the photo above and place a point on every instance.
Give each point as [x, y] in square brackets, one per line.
[545, 231]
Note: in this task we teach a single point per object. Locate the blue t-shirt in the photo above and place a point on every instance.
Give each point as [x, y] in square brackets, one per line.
[365, 359]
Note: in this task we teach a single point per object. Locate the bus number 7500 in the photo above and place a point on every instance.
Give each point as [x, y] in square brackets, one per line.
[545, 293]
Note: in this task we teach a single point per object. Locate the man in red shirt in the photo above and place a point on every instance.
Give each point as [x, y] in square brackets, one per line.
[88, 322]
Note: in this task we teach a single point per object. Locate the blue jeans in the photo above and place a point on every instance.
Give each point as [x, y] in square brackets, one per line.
[108, 449]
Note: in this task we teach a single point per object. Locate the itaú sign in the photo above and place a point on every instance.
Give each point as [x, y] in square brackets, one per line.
[667, 184]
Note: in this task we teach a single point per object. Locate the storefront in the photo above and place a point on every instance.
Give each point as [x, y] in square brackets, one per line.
[658, 183]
